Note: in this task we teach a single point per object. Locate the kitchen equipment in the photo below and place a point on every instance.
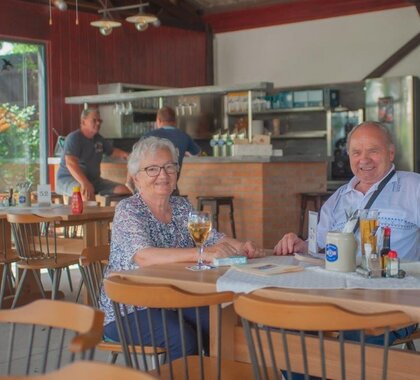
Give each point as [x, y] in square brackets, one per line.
[394, 102]
[339, 124]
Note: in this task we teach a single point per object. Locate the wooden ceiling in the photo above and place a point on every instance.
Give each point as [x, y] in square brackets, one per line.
[226, 15]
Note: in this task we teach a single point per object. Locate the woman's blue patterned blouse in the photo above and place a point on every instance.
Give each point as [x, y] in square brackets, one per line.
[134, 228]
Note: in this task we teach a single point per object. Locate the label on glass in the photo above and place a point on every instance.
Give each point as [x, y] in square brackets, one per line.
[331, 253]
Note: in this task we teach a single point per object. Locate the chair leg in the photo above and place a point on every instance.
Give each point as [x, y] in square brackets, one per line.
[232, 222]
[411, 346]
[69, 279]
[114, 357]
[19, 288]
[303, 206]
[79, 291]
[11, 281]
[38, 281]
[3, 284]
[56, 283]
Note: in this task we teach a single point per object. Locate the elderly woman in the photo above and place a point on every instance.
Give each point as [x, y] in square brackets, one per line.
[151, 228]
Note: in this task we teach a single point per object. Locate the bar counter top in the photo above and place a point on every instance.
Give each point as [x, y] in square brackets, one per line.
[232, 159]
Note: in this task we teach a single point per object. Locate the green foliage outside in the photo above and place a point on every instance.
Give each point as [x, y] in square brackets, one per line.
[19, 143]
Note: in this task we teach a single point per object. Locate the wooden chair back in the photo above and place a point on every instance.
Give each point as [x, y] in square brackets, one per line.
[88, 370]
[92, 263]
[55, 331]
[128, 296]
[294, 337]
[34, 236]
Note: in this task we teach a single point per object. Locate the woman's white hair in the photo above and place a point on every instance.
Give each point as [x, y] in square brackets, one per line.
[149, 145]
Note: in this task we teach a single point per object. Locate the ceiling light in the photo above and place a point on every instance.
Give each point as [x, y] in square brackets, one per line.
[60, 4]
[141, 26]
[105, 25]
[105, 31]
[142, 17]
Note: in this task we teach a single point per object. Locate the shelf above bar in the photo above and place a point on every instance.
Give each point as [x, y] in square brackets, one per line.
[203, 90]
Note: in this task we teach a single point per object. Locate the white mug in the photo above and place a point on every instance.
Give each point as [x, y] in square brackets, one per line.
[340, 252]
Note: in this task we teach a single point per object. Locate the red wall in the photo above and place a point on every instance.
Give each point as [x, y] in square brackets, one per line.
[79, 57]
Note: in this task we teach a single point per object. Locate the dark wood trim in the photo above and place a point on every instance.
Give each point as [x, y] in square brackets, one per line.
[209, 56]
[305, 10]
[395, 58]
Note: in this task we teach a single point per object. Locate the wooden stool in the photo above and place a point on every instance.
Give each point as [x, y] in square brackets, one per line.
[105, 200]
[215, 203]
[317, 199]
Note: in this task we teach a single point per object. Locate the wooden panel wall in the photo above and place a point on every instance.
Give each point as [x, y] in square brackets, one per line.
[304, 10]
[80, 58]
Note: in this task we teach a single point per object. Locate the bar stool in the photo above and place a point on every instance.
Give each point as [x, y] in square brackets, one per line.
[317, 199]
[215, 203]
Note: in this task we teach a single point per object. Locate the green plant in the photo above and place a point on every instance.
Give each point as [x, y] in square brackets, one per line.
[19, 139]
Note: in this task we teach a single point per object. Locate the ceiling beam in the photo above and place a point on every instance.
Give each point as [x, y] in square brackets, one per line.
[395, 58]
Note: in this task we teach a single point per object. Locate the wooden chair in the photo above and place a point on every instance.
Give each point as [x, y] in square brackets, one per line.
[126, 294]
[293, 337]
[84, 370]
[55, 331]
[92, 264]
[37, 246]
[7, 258]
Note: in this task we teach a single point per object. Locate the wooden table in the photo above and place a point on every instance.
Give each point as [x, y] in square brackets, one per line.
[234, 346]
[95, 222]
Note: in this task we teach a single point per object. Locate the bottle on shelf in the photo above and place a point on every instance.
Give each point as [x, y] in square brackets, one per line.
[76, 201]
[386, 247]
[392, 264]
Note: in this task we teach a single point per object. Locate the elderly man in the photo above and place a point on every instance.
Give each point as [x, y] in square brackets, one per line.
[81, 160]
[371, 152]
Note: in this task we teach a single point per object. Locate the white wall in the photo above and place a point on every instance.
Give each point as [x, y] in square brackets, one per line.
[340, 49]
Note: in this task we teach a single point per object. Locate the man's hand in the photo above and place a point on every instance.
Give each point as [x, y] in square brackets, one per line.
[88, 191]
[290, 243]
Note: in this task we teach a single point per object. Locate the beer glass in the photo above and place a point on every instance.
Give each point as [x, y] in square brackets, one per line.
[369, 224]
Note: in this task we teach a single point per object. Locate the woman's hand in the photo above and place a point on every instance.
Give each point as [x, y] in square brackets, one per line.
[223, 249]
[249, 249]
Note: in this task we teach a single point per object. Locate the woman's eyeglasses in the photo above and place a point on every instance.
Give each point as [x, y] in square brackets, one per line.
[154, 170]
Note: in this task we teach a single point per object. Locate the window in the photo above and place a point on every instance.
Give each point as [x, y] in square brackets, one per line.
[23, 142]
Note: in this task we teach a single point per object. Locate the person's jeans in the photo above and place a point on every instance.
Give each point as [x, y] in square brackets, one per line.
[174, 333]
[354, 336]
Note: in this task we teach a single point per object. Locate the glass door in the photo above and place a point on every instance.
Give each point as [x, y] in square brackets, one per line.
[23, 137]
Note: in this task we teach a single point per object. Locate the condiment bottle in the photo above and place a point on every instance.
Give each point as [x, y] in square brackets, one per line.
[393, 264]
[386, 247]
[76, 201]
[374, 264]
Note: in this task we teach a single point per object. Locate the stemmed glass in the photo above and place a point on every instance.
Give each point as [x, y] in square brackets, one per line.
[199, 226]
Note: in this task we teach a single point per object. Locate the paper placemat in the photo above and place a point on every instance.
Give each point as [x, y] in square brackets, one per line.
[313, 277]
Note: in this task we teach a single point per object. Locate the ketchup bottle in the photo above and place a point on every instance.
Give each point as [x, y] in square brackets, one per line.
[76, 201]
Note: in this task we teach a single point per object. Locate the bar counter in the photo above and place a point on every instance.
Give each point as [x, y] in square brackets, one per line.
[265, 189]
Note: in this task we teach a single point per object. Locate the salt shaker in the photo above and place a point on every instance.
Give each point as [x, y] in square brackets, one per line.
[393, 264]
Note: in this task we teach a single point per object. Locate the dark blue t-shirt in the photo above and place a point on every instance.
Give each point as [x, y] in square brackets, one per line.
[179, 138]
[88, 151]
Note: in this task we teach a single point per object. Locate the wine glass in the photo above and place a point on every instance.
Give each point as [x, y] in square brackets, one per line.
[199, 226]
